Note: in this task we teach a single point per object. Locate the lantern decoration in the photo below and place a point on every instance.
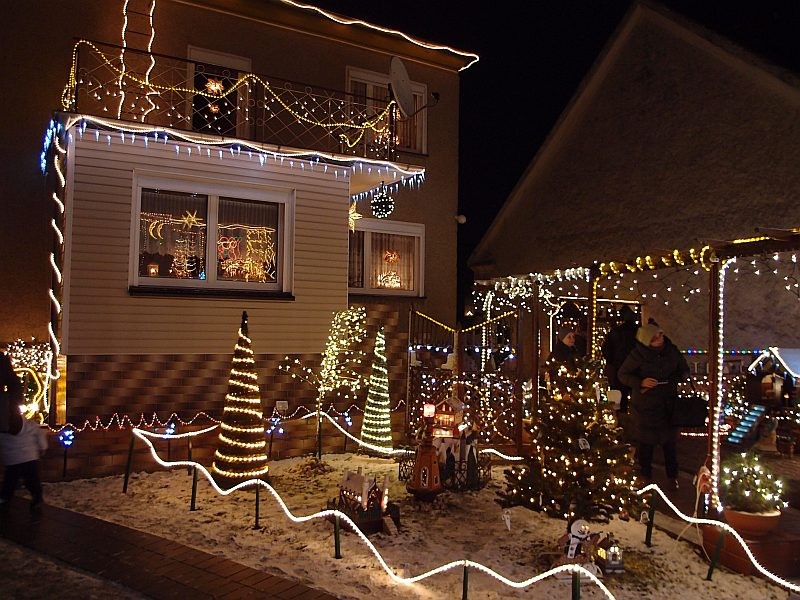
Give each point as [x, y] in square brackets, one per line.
[425, 482]
[382, 203]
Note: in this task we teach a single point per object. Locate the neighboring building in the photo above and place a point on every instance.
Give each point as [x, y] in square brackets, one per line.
[675, 139]
[176, 207]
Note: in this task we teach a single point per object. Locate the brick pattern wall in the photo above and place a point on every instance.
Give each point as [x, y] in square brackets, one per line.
[138, 386]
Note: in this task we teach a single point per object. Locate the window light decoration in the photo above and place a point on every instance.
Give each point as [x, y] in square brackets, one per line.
[376, 427]
[382, 204]
[242, 444]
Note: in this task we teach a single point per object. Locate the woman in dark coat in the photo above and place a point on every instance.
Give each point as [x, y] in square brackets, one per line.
[653, 370]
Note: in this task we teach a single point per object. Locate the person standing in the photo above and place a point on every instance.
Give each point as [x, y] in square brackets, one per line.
[20, 449]
[565, 352]
[653, 370]
[10, 390]
[615, 349]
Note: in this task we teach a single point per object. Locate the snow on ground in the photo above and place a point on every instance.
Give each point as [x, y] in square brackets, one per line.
[459, 525]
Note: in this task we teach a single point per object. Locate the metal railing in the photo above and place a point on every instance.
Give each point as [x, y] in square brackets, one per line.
[163, 91]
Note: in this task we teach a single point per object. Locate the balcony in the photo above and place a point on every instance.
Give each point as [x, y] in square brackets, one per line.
[148, 89]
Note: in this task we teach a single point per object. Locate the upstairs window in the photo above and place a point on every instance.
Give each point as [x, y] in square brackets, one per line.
[370, 93]
[386, 257]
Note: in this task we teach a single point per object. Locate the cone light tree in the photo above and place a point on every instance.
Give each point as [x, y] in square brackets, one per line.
[376, 428]
[242, 443]
[579, 468]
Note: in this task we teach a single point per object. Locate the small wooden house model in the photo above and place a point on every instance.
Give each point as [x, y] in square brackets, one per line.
[366, 503]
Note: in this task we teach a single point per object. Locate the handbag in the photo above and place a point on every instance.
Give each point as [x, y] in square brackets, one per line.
[689, 411]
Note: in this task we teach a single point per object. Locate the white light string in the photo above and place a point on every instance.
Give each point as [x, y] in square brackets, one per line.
[235, 147]
[146, 436]
[728, 529]
[348, 21]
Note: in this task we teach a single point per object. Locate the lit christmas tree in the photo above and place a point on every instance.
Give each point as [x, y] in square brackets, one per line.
[242, 443]
[578, 468]
[341, 361]
[377, 426]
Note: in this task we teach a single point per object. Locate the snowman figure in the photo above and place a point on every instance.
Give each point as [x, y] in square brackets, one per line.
[577, 538]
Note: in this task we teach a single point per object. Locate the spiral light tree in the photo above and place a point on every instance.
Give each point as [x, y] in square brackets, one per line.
[242, 443]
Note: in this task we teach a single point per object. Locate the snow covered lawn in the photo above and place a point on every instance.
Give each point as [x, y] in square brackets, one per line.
[459, 525]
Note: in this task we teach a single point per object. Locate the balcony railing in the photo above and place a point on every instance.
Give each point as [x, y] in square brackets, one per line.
[162, 91]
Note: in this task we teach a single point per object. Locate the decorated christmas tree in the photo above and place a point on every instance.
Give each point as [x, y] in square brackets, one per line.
[578, 468]
[241, 446]
[341, 362]
[377, 426]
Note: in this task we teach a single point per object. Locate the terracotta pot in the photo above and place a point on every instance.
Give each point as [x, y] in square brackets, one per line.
[752, 525]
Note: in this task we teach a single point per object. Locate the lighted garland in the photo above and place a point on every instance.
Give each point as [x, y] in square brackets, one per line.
[147, 438]
[377, 123]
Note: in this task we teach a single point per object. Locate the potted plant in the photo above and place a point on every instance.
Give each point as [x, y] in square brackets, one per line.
[751, 496]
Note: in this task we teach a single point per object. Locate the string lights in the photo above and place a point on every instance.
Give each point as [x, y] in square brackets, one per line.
[147, 438]
[341, 361]
[376, 427]
[242, 446]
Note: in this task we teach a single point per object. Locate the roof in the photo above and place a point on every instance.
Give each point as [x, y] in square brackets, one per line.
[675, 137]
[312, 20]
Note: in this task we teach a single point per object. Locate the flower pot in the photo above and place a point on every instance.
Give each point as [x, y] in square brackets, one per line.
[752, 525]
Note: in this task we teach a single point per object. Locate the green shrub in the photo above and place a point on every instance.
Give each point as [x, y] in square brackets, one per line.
[747, 486]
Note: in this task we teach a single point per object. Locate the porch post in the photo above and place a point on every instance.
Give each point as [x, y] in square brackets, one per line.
[519, 410]
[713, 353]
[591, 318]
[535, 332]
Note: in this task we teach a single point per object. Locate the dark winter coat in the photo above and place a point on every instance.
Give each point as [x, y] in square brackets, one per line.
[564, 354]
[651, 409]
[615, 349]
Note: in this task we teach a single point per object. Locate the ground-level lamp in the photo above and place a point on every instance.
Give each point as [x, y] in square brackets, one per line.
[66, 438]
[425, 482]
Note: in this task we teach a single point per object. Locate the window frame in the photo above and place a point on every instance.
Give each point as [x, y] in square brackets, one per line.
[372, 78]
[416, 230]
[240, 64]
[214, 189]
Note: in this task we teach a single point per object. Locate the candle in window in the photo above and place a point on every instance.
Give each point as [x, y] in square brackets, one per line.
[152, 269]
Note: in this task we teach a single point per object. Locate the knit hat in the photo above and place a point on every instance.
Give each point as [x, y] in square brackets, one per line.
[646, 333]
[564, 330]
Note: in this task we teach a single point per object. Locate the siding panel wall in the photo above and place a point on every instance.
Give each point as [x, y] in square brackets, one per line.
[103, 319]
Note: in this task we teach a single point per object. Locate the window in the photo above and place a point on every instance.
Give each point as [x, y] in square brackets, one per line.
[210, 236]
[386, 257]
[214, 72]
[371, 94]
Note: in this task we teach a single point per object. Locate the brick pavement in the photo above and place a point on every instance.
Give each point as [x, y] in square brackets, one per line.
[157, 568]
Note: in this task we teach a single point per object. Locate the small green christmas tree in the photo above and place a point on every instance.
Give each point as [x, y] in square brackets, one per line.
[376, 428]
[242, 443]
[578, 468]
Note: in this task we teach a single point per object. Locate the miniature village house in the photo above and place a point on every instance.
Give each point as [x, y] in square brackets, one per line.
[364, 501]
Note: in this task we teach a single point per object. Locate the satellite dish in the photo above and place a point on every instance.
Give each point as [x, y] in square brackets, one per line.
[401, 87]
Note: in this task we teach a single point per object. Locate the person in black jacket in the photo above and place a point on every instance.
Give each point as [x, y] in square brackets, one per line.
[653, 370]
[615, 349]
[565, 352]
[10, 390]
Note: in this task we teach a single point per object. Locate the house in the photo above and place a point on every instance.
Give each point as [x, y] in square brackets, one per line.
[676, 142]
[209, 157]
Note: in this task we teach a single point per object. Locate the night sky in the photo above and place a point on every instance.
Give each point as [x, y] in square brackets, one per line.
[534, 54]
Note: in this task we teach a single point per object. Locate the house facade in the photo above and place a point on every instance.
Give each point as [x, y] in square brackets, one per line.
[208, 159]
[676, 142]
